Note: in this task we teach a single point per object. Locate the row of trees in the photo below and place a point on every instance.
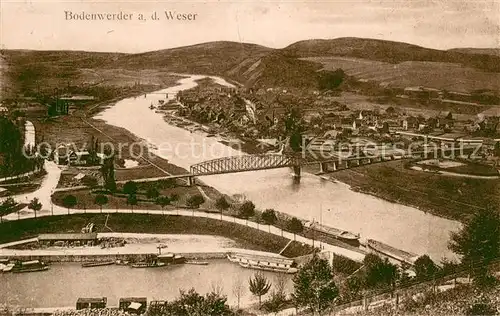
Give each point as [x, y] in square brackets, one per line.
[247, 210]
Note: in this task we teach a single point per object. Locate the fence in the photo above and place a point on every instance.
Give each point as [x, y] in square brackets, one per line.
[21, 176]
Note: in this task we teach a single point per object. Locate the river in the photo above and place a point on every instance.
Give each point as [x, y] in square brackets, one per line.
[62, 284]
[398, 225]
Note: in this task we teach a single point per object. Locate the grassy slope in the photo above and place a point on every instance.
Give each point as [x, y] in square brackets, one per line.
[140, 223]
[438, 75]
[388, 51]
[451, 197]
[484, 51]
[207, 58]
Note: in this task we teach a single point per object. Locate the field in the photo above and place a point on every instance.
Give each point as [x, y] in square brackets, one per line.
[362, 102]
[459, 167]
[85, 198]
[452, 77]
[446, 196]
[246, 237]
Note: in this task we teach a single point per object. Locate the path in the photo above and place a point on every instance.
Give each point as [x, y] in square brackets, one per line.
[46, 189]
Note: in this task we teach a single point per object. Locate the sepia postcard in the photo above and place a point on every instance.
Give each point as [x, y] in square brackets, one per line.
[233, 157]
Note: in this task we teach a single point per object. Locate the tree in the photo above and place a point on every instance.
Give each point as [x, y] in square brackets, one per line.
[247, 210]
[390, 111]
[132, 200]
[130, 188]
[195, 201]
[294, 127]
[7, 205]
[278, 295]
[69, 201]
[35, 205]
[295, 226]
[152, 192]
[222, 205]
[162, 201]
[108, 173]
[496, 150]
[259, 285]
[191, 303]
[379, 273]
[425, 268]
[314, 286]
[269, 217]
[238, 290]
[479, 239]
[101, 200]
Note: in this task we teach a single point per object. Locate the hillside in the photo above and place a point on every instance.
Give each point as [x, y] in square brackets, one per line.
[276, 70]
[388, 51]
[484, 51]
[438, 75]
[207, 58]
[395, 63]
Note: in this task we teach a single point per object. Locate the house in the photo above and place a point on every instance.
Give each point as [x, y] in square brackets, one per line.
[61, 155]
[93, 302]
[78, 238]
[422, 93]
[137, 305]
[348, 124]
[65, 156]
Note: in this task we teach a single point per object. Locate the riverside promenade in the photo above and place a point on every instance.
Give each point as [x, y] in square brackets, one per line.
[57, 210]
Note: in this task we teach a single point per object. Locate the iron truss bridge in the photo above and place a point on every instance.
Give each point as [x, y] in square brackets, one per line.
[244, 163]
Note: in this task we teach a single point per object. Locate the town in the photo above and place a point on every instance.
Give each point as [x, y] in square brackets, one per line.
[341, 176]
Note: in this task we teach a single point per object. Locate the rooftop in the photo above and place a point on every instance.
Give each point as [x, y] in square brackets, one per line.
[71, 236]
[91, 300]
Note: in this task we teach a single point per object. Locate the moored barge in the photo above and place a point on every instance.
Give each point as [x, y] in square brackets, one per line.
[266, 263]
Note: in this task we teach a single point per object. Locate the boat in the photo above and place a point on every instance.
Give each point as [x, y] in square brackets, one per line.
[266, 263]
[179, 259]
[148, 264]
[342, 235]
[196, 262]
[290, 270]
[167, 258]
[8, 267]
[121, 262]
[97, 263]
[29, 266]
[35, 269]
[391, 252]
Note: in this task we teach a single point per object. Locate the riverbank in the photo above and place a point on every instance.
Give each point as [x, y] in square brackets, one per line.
[450, 197]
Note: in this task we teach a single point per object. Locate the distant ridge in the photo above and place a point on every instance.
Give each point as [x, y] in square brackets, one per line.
[259, 66]
[388, 51]
[483, 51]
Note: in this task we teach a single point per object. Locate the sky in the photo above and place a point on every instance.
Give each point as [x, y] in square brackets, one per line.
[441, 24]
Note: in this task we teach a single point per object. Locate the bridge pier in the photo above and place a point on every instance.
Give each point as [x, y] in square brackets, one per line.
[296, 172]
[191, 181]
[323, 167]
[334, 166]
